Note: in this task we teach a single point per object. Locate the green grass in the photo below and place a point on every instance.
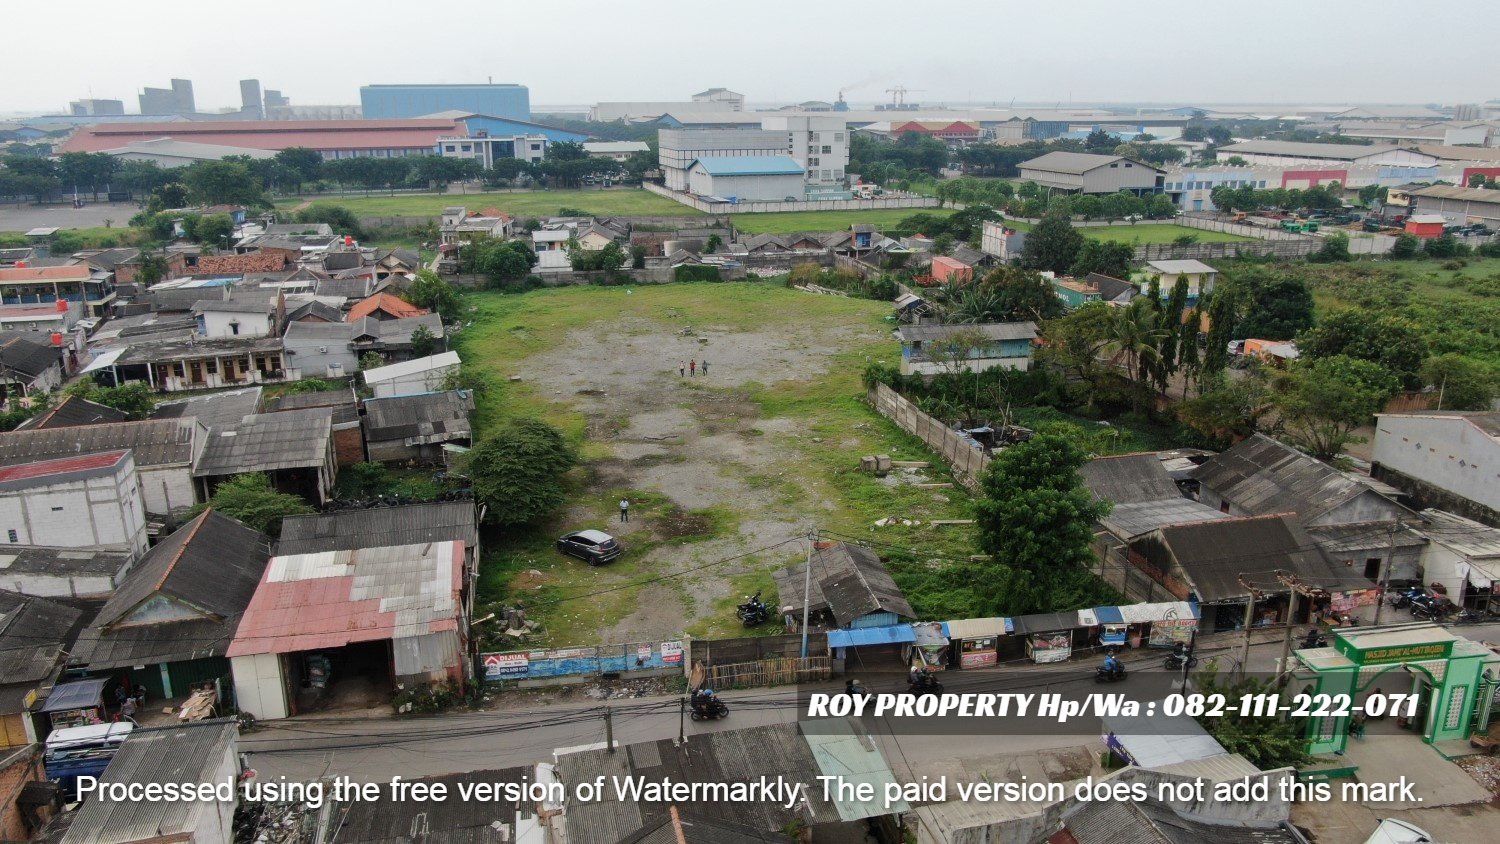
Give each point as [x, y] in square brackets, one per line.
[600, 203]
[1156, 233]
[787, 222]
[93, 237]
[814, 476]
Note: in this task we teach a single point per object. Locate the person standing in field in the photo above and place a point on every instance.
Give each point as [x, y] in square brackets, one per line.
[624, 510]
[681, 370]
[693, 367]
[705, 369]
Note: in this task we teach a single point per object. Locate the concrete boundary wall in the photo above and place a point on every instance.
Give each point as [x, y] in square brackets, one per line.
[700, 204]
[967, 461]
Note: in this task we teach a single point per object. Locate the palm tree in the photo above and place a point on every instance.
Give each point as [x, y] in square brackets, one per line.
[1136, 335]
[976, 303]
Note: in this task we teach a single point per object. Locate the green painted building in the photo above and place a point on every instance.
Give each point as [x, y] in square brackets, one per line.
[1455, 680]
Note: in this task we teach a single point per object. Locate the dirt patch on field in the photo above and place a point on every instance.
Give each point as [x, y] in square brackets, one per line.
[697, 441]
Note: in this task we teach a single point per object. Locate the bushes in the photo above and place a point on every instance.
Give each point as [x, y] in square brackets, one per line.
[696, 272]
[881, 288]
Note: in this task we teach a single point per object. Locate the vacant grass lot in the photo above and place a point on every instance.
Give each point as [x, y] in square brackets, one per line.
[1157, 233]
[826, 221]
[599, 203]
[725, 472]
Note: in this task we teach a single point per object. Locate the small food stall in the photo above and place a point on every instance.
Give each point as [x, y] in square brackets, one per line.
[976, 641]
[1049, 636]
[1112, 629]
[930, 647]
[76, 704]
[1169, 622]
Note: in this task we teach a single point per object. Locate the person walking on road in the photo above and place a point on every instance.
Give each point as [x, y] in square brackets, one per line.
[624, 510]
[693, 367]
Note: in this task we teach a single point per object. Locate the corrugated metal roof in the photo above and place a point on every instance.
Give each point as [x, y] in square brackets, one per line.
[1262, 475]
[79, 694]
[750, 165]
[1129, 478]
[1181, 265]
[268, 441]
[1074, 163]
[1134, 519]
[1306, 149]
[452, 821]
[1161, 739]
[331, 598]
[425, 417]
[346, 530]
[991, 330]
[211, 564]
[855, 583]
[188, 753]
[214, 410]
[860, 636]
[33, 632]
[1460, 193]
[1214, 554]
[24, 474]
[976, 628]
[152, 442]
[71, 412]
[410, 367]
[1464, 536]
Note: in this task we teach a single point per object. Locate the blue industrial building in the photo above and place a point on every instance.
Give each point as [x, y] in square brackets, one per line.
[499, 127]
[395, 101]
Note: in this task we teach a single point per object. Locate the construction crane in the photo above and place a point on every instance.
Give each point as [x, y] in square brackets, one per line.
[898, 94]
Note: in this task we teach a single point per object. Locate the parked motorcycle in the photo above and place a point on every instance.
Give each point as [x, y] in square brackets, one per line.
[753, 612]
[1432, 608]
[1468, 616]
[1403, 598]
[924, 683]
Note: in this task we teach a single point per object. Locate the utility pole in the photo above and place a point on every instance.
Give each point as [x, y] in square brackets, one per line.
[1249, 620]
[1385, 574]
[812, 541]
[609, 729]
[682, 721]
[1297, 590]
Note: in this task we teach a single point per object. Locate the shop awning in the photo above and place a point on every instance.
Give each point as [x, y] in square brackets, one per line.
[1047, 622]
[976, 628]
[80, 695]
[1170, 610]
[1100, 615]
[893, 635]
[104, 360]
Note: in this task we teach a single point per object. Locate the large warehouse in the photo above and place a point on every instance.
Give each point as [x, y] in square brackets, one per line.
[748, 178]
[1458, 205]
[1081, 172]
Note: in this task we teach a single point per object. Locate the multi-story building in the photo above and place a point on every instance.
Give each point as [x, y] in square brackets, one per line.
[177, 99]
[679, 148]
[819, 144]
[89, 501]
[91, 106]
[47, 285]
[387, 101]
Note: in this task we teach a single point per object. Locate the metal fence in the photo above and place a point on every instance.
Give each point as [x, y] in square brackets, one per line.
[968, 462]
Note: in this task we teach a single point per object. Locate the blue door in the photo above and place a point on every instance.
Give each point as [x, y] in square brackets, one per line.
[1197, 205]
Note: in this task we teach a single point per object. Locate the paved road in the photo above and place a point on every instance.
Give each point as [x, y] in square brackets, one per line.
[26, 217]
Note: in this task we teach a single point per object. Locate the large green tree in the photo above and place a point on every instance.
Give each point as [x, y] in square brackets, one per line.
[501, 262]
[1278, 304]
[226, 182]
[251, 499]
[1461, 382]
[429, 290]
[1322, 401]
[1106, 257]
[1396, 343]
[1052, 245]
[1036, 519]
[517, 472]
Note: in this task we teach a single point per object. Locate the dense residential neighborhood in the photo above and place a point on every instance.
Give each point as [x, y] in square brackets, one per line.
[441, 436]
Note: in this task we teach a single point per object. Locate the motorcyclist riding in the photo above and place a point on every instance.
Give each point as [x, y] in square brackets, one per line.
[1111, 664]
[703, 700]
[852, 687]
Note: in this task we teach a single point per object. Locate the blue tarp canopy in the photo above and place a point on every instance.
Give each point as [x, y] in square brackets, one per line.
[1109, 615]
[871, 636]
[80, 695]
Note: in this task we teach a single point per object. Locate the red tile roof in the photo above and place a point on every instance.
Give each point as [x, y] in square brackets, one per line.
[272, 134]
[69, 272]
[250, 262]
[396, 307]
[61, 465]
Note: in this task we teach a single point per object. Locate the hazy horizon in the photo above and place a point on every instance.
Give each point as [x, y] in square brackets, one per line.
[577, 52]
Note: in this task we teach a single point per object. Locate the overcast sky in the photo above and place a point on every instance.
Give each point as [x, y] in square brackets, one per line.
[583, 51]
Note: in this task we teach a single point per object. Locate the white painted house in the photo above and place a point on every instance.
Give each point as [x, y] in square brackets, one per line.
[409, 377]
[218, 319]
[1443, 459]
[91, 501]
